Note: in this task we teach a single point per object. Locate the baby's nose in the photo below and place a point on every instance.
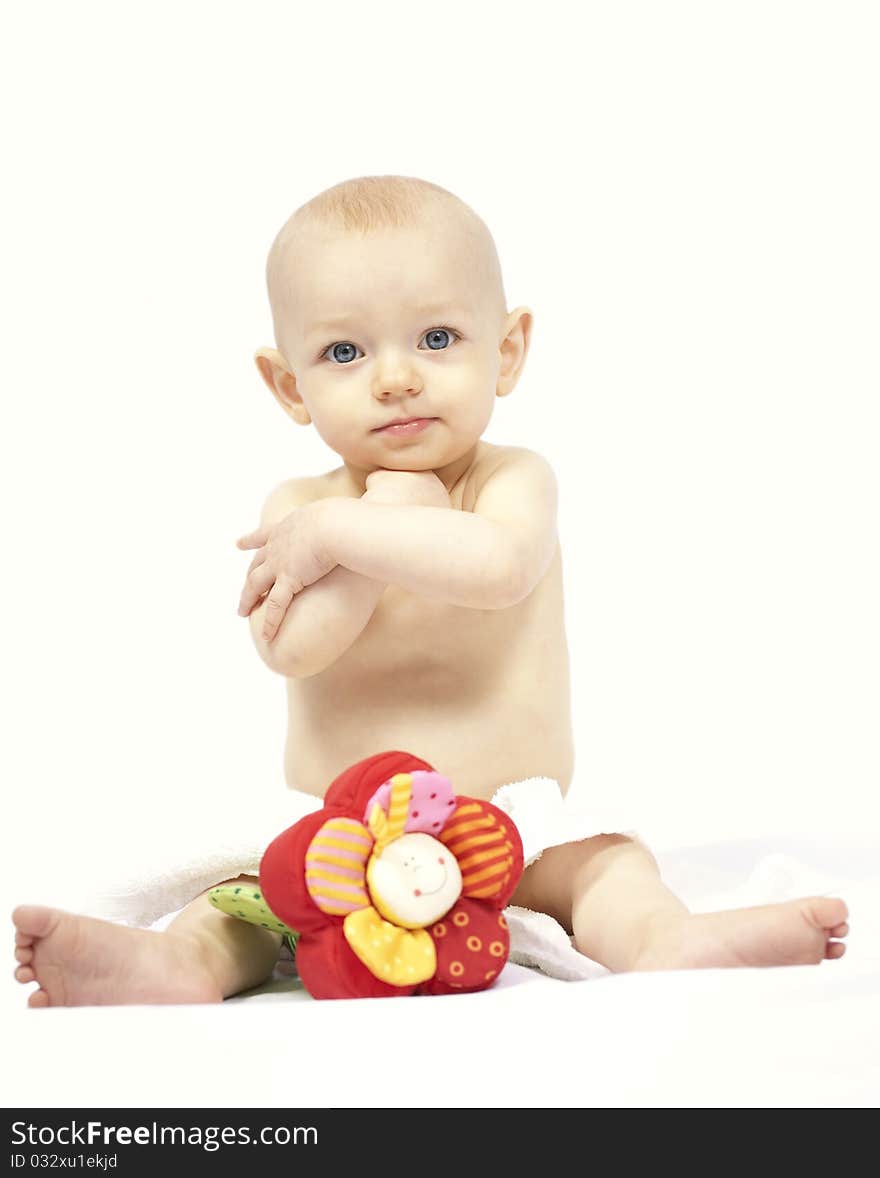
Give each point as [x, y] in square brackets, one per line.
[394, 377]
[396, 389]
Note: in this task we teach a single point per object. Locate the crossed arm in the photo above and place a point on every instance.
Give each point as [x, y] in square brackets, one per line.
[336, 556]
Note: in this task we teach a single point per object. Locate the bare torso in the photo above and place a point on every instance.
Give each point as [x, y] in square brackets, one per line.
[482, 695]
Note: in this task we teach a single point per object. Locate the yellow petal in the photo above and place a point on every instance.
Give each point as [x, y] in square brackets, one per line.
[398, 956]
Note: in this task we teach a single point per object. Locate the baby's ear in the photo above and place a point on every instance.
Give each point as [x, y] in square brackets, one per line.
[281, 383]
[514, 349]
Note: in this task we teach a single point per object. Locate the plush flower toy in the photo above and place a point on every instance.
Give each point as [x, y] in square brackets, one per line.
[395, 887]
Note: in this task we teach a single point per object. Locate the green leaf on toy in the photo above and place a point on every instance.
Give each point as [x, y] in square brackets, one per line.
[247, 903]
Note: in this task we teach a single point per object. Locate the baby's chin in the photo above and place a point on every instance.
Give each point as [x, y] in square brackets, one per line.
[372, 462]
[408, 458]
[403, 464]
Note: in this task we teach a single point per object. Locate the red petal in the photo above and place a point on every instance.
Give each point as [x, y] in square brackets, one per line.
[472, 943]
[283, 874]
[353, 788]
[329, 969]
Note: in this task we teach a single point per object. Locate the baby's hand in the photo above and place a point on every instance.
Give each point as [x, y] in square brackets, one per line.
[410, 488]
[291, 556]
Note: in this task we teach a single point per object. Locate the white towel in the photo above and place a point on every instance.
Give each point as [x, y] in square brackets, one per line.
[196, 856]
[195, 853]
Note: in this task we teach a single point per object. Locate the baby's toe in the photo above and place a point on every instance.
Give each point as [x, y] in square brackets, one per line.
[24, 955]
[825, 912]
[24, 973]
[840, 930]
[38, 998]
[34, 920]
[835, 949]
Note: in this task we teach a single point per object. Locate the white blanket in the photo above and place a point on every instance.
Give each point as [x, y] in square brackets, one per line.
[790, 1037]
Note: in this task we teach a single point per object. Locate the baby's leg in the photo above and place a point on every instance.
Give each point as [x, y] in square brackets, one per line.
[239, 955]
[203, 956]
[607, 891]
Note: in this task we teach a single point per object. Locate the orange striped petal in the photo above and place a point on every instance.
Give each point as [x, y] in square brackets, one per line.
[487, 845]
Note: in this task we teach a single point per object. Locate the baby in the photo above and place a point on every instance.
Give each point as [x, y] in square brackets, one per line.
[412, 599]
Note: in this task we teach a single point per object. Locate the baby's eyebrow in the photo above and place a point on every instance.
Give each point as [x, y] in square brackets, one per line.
[336, 321]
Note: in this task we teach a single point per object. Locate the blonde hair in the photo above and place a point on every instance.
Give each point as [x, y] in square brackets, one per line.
[366, 204]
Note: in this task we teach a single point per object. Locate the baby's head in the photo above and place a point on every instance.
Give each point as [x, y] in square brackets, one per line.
[388, 303]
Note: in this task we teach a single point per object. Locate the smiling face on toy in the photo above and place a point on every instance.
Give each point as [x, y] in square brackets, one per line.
[414, 881]
[396, 886]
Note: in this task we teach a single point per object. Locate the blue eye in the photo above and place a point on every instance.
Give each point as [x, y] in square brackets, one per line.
[341, 353]
[344, 352]
[439, 338]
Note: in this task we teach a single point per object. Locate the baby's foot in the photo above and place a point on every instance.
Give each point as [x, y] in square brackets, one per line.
[797, 932]
[79, 961]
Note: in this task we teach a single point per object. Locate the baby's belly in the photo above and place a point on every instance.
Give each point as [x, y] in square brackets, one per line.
[478, 749]
[483, 697]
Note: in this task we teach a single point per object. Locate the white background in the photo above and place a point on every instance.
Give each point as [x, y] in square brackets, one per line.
[685, 194]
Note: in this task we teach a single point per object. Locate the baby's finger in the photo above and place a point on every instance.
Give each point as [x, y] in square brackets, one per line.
[256, 562]
[257, 583]
[253, 539]
[276, 607]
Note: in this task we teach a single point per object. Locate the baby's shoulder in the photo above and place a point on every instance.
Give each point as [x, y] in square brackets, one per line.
[294, 493]
[512, 465]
